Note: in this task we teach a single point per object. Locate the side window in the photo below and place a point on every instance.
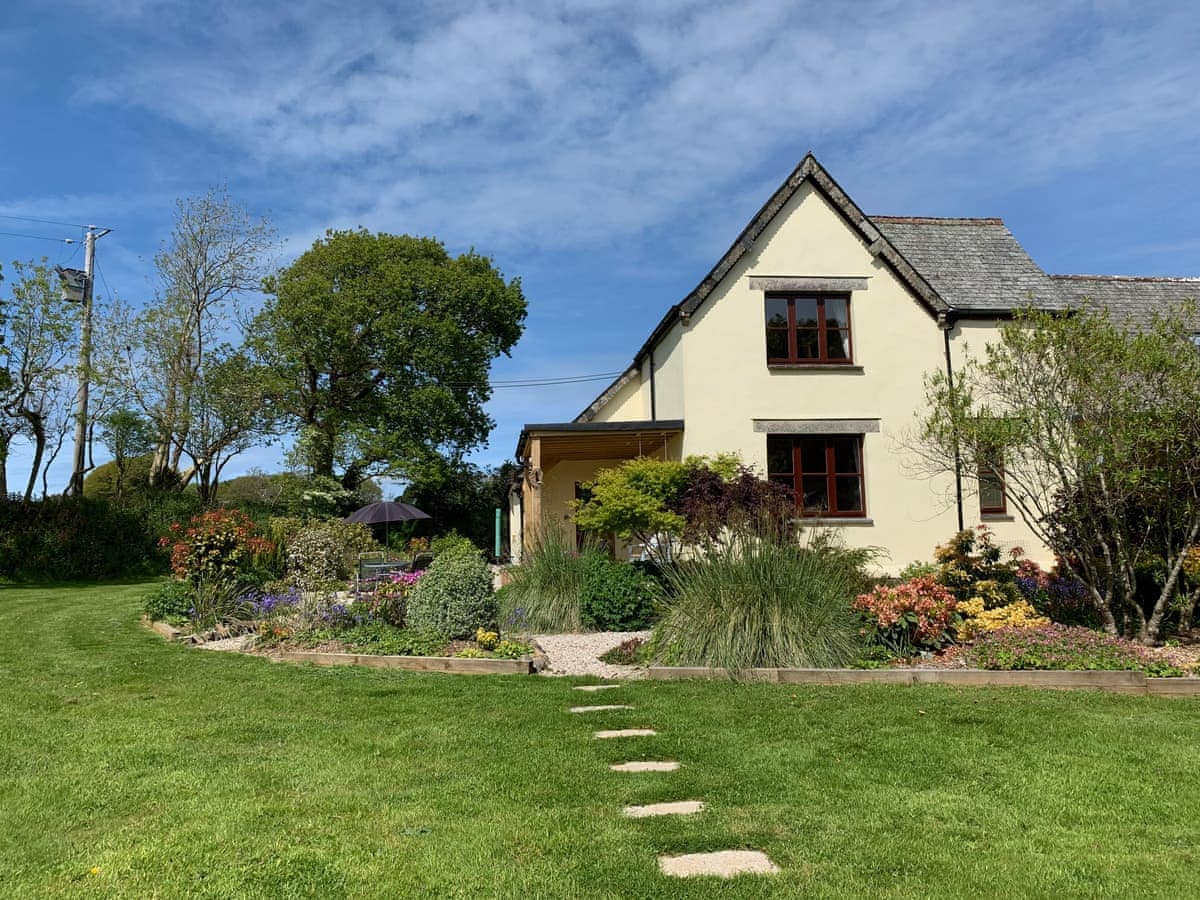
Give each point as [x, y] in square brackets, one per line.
[991, 486]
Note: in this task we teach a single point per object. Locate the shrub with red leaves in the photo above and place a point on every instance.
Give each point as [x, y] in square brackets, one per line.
[214, 545]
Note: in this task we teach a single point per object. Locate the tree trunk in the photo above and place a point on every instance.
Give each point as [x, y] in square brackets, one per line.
[39, 450]
[4, 442]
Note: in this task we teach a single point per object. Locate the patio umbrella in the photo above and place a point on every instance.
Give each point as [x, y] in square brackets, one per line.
[385, 512]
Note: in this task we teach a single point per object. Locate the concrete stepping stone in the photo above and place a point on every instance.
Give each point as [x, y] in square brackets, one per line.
[588, 709]
[675, 808]
[722, 864]
[597, 687]
[625, 732]
[644, 766]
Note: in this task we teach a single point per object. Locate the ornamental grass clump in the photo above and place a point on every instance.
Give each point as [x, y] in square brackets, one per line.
[1064, 647]
[762, 601]
[546, 588]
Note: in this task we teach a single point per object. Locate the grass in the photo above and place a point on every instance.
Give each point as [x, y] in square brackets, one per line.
[132, 767]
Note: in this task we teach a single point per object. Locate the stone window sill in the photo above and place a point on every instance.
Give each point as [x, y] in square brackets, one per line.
[814, 367]
[997, 517]
[835, 520]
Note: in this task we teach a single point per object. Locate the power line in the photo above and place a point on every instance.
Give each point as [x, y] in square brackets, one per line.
[38, 237]
[42, 221]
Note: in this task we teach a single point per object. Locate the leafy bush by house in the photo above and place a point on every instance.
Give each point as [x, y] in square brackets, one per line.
[615, 596]
[757, 600]
[977, 619]
[919, 614]
[1063, 647]
[450, 542]
[454, 596]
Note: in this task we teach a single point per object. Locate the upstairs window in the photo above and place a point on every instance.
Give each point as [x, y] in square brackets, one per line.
[991, 486]
[808, 329]
[823, 473]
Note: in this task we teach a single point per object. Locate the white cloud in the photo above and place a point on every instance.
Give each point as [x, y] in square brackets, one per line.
[554, 124]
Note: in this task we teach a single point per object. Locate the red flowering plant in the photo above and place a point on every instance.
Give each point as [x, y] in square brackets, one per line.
[215, 545]
[918, 614]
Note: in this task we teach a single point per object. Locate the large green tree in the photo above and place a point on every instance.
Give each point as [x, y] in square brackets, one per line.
[381, 346]
[1096, 424]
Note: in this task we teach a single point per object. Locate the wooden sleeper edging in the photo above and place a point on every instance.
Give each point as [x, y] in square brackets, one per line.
[1122, 682]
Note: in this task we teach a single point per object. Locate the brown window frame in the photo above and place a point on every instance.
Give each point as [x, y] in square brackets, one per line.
[822, 358]
[831, 475]
[995, 473]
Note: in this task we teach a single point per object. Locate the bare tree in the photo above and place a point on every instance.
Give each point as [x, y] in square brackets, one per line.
[214, 256]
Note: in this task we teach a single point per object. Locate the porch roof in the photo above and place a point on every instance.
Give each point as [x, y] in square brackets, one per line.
[597, 440]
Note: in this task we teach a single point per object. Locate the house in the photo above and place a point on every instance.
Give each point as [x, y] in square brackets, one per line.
[804, 349]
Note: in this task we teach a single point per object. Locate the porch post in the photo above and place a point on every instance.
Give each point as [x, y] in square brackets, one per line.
[531, 492]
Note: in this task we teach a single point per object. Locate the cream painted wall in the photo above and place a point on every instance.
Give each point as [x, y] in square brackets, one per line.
[713, 374]
[630, 403]
[558, 487]
[968, 339]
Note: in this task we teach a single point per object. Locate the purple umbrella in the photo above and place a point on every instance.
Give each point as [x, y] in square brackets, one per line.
[385, 512]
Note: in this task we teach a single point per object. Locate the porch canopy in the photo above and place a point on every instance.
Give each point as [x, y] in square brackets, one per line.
[542, 445]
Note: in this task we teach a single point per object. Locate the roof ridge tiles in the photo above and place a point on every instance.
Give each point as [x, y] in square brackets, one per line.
[939, 220]
[1166, 279]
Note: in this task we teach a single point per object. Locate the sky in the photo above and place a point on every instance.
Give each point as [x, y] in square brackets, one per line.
[606, 152]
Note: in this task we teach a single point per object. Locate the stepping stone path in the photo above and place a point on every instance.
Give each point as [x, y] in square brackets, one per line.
[677, 808]
[720, 864]
[645, 767]
[624, 732]
[723, 864]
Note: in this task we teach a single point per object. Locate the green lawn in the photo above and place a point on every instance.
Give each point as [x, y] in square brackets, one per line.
[130, 767]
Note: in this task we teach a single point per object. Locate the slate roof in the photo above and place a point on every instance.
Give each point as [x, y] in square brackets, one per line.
[1129, 298]
[974, 264]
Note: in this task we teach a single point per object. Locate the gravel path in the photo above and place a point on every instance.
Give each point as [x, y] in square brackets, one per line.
[578, 654]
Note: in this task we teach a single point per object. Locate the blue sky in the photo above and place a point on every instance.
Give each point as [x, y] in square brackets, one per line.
[605, 151]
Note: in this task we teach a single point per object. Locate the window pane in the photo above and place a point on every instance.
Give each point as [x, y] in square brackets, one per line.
[845, 455]
[806, 313]
[849, 493]
[777, 343]
[839, 343]
[991, 490]
[812, 455]
[816, 494]
[807, 344]
[777, 312]
[835, 313]
[779, 455]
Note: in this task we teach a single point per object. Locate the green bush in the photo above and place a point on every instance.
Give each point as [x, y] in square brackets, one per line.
[379, 637]
[454, 596]
[170, 601]
[763, 602]
[545, 591]
[74, 539]
[615, 596]
[323, 553]
[451, 542]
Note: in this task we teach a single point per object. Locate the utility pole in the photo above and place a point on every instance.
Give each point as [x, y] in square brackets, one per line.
[79, 467]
